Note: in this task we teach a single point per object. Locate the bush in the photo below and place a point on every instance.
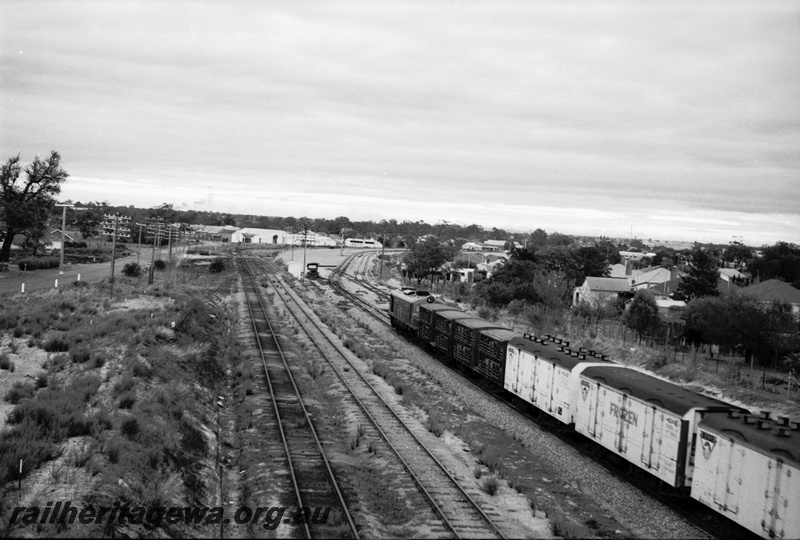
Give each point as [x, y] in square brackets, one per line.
[56, 344]
[159, 264]
[81, 355]
[127, 400]
[490, 485]
[19, 391]
[132, 269]
[217, 266]
[130, 427]
[6, 363]
[31, 263]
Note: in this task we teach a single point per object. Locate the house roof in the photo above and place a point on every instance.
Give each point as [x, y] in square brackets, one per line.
[607, 284]
[772, 290]
[656, 275]
[728, 273]
[618, 271]
[495, 243]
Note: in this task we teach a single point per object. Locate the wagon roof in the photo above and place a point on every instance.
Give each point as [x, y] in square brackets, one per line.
[438, 307]
[765, 439]
[478, 323]
[651, 389]
[500, 334]
[453, 315]
[549, 351]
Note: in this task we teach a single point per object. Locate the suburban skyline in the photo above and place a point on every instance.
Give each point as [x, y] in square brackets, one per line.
[676, 121]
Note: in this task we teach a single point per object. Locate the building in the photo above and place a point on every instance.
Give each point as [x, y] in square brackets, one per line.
[772, 291]
[494, 245]
[214, 233]
[596, 290]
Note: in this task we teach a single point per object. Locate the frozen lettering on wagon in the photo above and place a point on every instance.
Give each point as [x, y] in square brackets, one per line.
[627, 416]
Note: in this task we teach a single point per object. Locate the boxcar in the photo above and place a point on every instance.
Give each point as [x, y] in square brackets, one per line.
[465, 339]
[443, 325]
[540, 372]
[491, 360]
[748, 469]
[404, 307]
[645, 420]
[427, 313]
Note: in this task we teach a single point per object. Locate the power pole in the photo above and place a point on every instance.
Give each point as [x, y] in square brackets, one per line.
[114, 253]
[305, 244]
[63, 234]
[383, 250]
[139, 250]
[153, 256]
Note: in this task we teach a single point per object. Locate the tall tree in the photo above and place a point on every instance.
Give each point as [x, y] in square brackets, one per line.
[701, 279]
[24, 206]
[424, 258]
[642, 315]
[89, 221]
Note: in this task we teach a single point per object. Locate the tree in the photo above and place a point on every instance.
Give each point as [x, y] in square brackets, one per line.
[538, 238]
[426, 257]
[781, 261]
[701, 279]
[24, 208]
[89, 221]
[642, 315]
[737, 253]
[732, 321]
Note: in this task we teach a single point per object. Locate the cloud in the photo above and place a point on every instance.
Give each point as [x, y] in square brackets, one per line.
[611, 107]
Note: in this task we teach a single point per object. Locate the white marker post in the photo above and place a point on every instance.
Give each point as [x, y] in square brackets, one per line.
[23, 289]
[56, 283]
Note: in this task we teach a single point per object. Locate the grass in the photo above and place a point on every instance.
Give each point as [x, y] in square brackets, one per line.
[490, 485]
[436, 423]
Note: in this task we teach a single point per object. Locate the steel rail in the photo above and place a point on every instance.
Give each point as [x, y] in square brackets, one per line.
[453, 528]
[243, 268]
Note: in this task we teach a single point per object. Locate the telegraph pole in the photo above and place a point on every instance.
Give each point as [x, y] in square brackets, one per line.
[383, 250]
[305, 244]
[63, 234]
[114, 253]
[153, 256]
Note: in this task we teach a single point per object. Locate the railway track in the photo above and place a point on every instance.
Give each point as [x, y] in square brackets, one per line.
[676, 505]
[458, 511]
[312, 480]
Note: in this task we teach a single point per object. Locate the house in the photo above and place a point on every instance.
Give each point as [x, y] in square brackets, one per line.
[596, 290]
[215, 233]
[657, 279]
[472, 246]
[494, 245]
[774, 290]
[635, 255]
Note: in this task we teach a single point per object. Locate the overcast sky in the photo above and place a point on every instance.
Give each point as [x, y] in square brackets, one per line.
[674, 120]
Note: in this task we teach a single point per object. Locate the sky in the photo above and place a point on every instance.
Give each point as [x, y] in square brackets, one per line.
[659, 120]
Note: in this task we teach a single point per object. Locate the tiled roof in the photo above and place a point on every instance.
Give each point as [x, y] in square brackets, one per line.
[605, 284]
[772, 290]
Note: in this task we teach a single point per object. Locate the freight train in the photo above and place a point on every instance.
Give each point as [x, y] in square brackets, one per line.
[743, 466]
